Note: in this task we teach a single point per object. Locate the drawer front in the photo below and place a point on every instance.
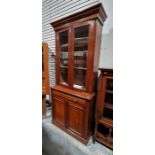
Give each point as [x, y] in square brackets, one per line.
[61, 95]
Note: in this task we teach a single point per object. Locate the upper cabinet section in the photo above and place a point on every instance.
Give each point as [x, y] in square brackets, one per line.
[78, 40]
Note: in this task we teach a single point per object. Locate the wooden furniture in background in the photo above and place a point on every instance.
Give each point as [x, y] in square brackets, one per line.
[45, 77]
[104, 111]
[78, 39]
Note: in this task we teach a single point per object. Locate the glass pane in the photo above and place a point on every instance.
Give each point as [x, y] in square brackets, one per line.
[108, 113]
[103, 129]
[109, 84]
[64, 58]
[109, 98]
[80, 56]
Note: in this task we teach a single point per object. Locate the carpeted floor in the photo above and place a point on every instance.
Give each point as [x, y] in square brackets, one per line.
[57, 142]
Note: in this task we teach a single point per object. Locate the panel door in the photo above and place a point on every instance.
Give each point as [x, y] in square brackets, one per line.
[75, 118]
[59, 111]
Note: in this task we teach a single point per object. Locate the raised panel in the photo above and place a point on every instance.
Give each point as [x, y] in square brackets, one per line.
[59, 111]
[75, 118]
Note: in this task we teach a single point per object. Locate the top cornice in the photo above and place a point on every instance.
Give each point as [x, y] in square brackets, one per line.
[96, 11]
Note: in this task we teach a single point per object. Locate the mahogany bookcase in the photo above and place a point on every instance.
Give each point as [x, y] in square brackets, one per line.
[78, 39]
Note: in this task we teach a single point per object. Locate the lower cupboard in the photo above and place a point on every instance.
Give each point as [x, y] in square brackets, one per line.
[73, 113]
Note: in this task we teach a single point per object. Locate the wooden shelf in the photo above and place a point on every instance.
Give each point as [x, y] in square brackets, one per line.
[80, 53]
[82, 38]
[83, 51]
[106, 121]
[83, 68]
[64, 66]
[64, 45]
[81, 41]
[99, 137]
[109, 106]
[109, 91]
[102, 136]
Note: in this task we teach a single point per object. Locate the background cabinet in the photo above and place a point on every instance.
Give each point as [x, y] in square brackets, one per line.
[45, 72]
[104, 112]
[78, 39]
[45, 76]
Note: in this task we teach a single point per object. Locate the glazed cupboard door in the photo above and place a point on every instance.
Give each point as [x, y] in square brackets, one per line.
[80, 53]
[75, 56]
[63, 57]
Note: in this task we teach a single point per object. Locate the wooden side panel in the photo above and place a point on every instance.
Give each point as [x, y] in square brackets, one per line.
[75, 118]
[101, 96]
[59, 111]
[97, 52]
[90, 62]
[45, 73]
[43, 105]
[97, 44]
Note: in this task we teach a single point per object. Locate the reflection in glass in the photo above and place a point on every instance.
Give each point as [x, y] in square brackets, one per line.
[79, 81]
[64, 58]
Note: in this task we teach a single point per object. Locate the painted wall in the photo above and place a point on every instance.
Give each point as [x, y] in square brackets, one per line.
[106, 53]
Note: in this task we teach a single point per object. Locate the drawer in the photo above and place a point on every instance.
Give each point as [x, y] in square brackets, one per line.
[61, 95]
[57, 95]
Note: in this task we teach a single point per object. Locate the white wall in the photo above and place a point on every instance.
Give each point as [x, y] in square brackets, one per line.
[106, 53]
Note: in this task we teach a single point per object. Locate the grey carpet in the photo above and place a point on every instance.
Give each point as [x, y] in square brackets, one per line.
[55, 144]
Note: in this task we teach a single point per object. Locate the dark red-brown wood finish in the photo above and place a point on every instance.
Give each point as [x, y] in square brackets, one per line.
[45, 76]
[78, 39]
[104, 111]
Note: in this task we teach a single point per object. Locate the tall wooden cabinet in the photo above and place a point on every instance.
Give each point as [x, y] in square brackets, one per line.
[78, 39]
[45, 72]
[104, 112]
[45, 76]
